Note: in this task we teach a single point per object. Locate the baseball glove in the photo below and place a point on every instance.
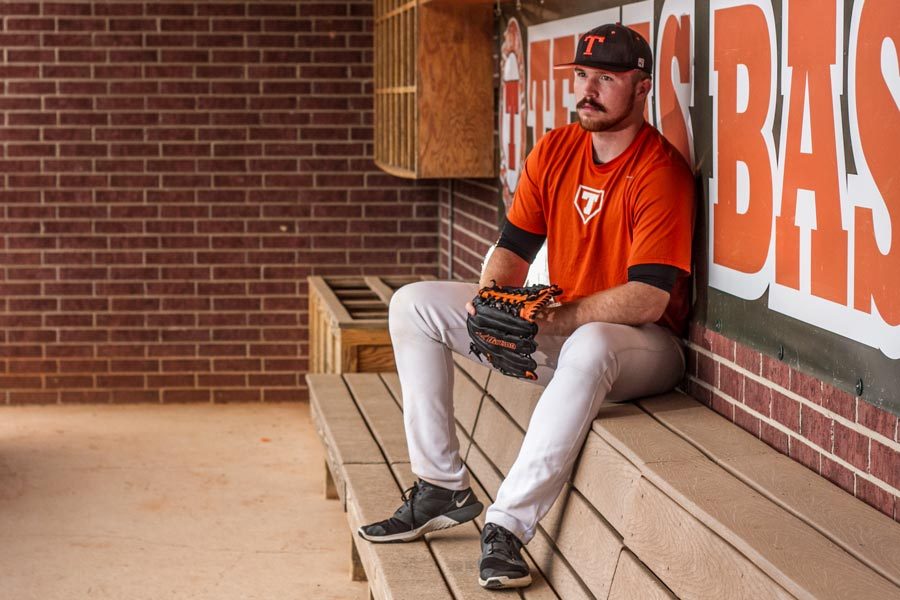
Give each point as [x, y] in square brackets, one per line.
[503, 326]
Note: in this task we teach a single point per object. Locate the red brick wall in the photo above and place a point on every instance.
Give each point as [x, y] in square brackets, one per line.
[171, 173]
[843, 438]
[468, 219]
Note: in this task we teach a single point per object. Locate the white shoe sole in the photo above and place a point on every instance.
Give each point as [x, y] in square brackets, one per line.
[499, 583]
[435, 524]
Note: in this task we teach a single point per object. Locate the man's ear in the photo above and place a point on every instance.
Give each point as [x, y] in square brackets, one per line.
[644, 86]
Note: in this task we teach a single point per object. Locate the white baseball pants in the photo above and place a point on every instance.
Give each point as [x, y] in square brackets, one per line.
[599, 362]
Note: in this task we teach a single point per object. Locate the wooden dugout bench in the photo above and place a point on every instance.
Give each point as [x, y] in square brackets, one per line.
[667, 500]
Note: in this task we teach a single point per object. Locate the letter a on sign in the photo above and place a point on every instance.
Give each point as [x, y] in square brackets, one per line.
[588, 201]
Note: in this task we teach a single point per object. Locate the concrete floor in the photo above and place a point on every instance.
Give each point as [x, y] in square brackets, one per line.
[168, 502]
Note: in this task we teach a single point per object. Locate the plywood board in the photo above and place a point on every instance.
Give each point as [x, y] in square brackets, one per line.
[690, 559]
[607, 480]
[859, 529]
[633, 580]
[454, 139]
[394, 571]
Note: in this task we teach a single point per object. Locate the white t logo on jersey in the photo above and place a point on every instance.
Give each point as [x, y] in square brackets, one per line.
[588, 202]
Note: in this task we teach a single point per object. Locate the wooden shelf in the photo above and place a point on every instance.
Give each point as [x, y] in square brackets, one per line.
[434, 112]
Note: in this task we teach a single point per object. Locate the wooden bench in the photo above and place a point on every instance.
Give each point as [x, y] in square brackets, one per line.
[348, 329]
[667, 500]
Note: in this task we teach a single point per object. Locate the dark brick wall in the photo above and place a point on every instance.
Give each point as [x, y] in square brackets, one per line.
[171, 173]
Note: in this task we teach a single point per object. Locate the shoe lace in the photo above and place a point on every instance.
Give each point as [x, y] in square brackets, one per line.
[408, 497]
[499, 539]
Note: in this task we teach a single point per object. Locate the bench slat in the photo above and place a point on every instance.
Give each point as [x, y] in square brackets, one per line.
[344, 426]
[381, 412]
[745, 519]
[457, 552]
[542, 551]
[539, 589]
[466, 400]
[479, 372]
[809, 564]
[640, 438]
[392, 382]
[858, 528]
[467, 405]
[343, 432]
[606, 479]
[582, 536]
[398, 571]
[517, 397]
[634, 580]
[693, 561]
[497, 435]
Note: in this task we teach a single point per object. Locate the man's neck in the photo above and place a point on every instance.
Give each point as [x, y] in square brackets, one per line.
[610, 144]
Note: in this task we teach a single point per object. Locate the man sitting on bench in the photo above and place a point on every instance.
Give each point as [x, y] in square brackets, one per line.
[615, 202]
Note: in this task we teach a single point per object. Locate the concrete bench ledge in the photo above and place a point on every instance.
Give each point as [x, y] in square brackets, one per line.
[668, 500]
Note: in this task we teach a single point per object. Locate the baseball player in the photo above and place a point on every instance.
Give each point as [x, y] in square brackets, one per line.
[615, 203]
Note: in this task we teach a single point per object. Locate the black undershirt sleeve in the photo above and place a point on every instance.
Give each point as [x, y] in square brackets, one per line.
[523, 244]
[660, 276]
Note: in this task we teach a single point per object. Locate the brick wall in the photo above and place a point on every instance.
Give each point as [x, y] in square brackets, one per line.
[843, 438]
[171, 173]
[468, 222]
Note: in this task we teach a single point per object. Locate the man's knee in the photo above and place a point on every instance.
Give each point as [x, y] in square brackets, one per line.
[590, 348]
[424, 306]
[408, 302]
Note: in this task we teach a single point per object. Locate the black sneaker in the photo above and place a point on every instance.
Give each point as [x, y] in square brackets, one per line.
[425, 508]
[501, 563]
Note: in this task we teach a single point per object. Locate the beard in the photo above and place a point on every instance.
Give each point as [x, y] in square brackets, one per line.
[602, 120]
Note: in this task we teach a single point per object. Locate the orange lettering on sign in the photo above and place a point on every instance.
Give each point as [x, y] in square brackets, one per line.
[644, 30]
[879, 133]
[675, 46]
[590, 39]
[810, 156]
[539, 75]
[563, 50]
[741, 239]
[511, 91]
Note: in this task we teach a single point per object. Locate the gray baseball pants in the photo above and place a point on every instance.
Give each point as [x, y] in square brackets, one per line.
[599, 362]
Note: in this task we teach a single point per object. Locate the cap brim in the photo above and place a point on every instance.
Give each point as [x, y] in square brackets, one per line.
[615, 68]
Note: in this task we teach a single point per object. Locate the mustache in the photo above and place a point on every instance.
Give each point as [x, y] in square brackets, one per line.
[588, 102]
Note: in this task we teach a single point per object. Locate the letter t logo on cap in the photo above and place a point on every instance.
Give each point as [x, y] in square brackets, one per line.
[590, 39]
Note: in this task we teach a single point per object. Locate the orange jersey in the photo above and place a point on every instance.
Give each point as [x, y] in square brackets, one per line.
[602, 219]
